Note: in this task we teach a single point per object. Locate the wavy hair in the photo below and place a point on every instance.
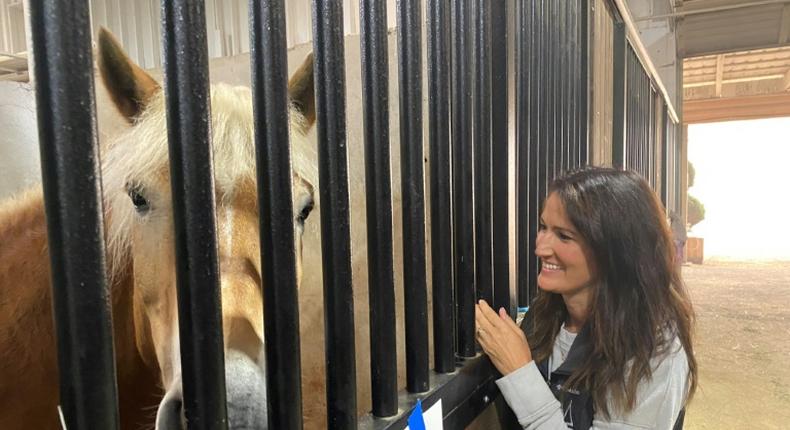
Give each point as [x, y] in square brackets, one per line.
[639, 300]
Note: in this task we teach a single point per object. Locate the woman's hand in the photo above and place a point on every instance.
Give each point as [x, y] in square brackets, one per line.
[501, 338]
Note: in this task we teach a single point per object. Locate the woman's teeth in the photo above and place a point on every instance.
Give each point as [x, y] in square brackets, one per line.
[550, 266]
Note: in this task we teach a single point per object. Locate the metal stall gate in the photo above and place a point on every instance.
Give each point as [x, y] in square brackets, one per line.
[469, 160]
[645, 134]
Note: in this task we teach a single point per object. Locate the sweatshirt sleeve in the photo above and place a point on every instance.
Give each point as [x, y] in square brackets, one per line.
[531, 400]
[659, 400]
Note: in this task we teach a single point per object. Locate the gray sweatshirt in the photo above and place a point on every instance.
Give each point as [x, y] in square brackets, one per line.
[658, 402]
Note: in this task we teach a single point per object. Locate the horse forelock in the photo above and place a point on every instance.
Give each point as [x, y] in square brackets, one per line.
[139, 155]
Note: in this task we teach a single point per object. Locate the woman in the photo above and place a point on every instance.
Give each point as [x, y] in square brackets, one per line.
[610, 328]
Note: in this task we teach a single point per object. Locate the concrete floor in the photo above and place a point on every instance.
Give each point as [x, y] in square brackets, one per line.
[742, 345]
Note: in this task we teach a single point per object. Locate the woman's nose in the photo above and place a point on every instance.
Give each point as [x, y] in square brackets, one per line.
[542, 245]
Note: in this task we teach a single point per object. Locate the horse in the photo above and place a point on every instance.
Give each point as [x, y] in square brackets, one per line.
[140, 259]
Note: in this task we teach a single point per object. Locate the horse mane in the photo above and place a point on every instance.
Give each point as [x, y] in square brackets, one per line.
[141, 151]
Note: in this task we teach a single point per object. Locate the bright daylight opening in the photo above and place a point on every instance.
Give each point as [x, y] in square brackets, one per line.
[742, 179]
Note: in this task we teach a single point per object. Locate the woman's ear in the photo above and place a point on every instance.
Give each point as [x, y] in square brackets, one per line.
[129, 86]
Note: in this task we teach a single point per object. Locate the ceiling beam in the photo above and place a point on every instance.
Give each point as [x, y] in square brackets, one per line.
[736, 108]
[719, 73]
[690, 9]
[733, 81]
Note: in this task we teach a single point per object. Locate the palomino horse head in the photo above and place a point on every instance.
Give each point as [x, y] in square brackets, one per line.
[140, 227]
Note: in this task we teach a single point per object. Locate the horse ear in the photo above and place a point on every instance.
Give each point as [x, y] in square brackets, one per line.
[129, 86]
[301, 89]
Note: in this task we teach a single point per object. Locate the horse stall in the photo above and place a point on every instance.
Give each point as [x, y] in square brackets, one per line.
[426, 153]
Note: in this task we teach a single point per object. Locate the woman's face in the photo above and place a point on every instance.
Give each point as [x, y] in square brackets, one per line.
[565, 268]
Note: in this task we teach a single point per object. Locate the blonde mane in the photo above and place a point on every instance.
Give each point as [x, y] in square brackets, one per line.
[141, 152]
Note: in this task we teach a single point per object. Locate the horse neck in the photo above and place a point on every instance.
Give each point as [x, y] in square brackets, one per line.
[27, 337]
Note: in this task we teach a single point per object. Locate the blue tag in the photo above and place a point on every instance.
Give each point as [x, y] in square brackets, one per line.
[416, 421]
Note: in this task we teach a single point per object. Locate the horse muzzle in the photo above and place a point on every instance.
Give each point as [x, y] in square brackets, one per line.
[245, 388]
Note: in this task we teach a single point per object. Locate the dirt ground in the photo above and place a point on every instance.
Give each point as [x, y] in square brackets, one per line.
[742, 345]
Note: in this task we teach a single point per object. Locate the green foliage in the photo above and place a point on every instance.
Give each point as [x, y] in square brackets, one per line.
[696, 210]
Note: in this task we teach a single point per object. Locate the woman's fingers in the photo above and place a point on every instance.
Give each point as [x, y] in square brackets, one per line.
[488, 313]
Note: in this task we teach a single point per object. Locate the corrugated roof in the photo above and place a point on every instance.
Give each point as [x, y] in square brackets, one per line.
[720, 26]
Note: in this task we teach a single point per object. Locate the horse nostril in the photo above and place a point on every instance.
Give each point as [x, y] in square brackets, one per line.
[171, 415]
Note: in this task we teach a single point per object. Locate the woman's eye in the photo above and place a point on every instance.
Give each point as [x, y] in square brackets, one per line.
[141, 204]
[564, 237]
[541, 226]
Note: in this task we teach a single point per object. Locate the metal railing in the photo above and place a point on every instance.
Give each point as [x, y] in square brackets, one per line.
[470, 152]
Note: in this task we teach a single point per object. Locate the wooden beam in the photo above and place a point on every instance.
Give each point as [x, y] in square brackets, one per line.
[719, 74]
[736, 108]
[733, 80]
[784, 29]
[786, 81]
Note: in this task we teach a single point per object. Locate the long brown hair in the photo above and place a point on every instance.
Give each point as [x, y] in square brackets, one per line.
[639, 300]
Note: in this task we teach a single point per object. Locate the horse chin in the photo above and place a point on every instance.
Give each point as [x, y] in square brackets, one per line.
[245, 386]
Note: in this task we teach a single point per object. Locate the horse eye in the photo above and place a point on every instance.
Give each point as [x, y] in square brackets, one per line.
[305, 212]
[140, 203]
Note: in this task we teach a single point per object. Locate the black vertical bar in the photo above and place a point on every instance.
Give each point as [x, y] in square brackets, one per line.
[536, 147]
[619, 76]
[499, 153]
[481, 126]
[552, 80]
[335, 231]
[375, 101]
[413, 193]
[563, 77]
[268, 56]
[192, 183]
[462, 179]
[572, 64]
[543, 170]
[441, 210]
[71, 178]
[525, 52]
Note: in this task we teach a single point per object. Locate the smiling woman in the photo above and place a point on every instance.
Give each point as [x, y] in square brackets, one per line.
[607, 341]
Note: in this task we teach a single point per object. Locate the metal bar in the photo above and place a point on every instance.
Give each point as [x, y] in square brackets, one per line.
[499, 154]
[375, 100]
[523, 138]
[552, 33]
[441, 210]
[543, 128]
[665, 147]
[585, 82]
[538, 143]
[618, 98]
[481, 126]
[335, 231]
[413, 194]
[462, 183]
[192, 183]
[268, 56]
[572, 64]
[562, 77]
[523, 130]
[71, 177]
